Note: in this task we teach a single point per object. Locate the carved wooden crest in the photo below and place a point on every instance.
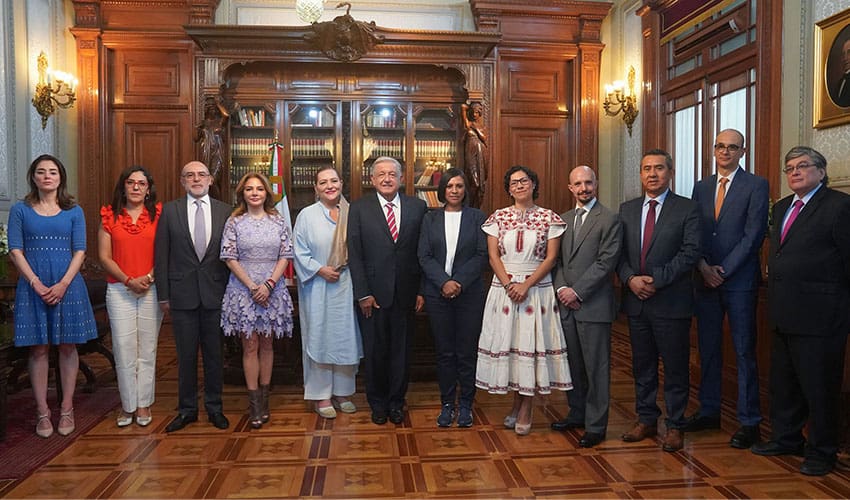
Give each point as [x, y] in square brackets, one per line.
[344, 38]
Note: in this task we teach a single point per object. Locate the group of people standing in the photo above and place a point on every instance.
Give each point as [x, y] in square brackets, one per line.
[364, 270]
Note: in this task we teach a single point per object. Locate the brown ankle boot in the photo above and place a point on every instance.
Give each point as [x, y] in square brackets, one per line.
[265, 391]
[255, 418]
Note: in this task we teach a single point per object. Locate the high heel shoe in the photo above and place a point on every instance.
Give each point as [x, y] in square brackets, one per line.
[66, 422]
[44, 427]
[143, 417]
[510, 421]
[525, 429]
[345, 406]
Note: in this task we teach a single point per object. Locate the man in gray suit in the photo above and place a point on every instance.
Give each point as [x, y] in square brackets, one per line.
[660, 247]
[590, 249]
[190, 283]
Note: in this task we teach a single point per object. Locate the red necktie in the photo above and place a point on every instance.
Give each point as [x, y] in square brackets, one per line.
[798, 205]
[391, 221]
[648, 228]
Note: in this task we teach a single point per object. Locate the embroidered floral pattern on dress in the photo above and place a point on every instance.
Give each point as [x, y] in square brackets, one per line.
[534, 219]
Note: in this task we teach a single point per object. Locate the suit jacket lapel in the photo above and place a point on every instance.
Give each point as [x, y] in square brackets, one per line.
[666, 209]
[733, 193]
[805, 214]
[183, 220]
[381, 217]
[567, 240]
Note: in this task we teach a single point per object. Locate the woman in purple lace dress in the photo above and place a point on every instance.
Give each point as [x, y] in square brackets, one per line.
[256, 246]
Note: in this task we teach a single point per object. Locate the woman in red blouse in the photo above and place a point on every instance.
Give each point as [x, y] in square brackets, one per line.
[125, 243]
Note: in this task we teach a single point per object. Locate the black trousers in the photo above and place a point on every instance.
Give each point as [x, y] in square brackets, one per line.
[194, 328]
[669, 338]
[805, 386]
[387, 346]
[456, 326]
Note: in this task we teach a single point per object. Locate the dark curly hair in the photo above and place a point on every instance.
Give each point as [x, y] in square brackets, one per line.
[119, 195]
[531, 175]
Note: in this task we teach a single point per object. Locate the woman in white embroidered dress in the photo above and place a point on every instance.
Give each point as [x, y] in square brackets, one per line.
[522, 347]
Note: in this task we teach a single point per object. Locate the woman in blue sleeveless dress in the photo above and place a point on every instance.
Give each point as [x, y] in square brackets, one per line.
[47, 243]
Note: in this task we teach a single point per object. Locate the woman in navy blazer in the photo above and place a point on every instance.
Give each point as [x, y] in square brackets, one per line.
[452, 253]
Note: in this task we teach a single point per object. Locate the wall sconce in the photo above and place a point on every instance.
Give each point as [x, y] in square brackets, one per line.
[617, 98]
[54, 88]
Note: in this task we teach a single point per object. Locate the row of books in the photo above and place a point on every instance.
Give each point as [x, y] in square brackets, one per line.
[249, 146]
[237, 171]
[430, 198]
[430, 176]
[312, 147]
[435, 149]
[304, 175]
[252, 117]
[385, 119]
[374, 148]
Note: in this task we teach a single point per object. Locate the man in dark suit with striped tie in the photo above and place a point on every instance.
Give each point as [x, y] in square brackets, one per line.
[383, 239]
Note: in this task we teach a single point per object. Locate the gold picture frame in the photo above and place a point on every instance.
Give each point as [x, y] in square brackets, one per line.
[831, 100]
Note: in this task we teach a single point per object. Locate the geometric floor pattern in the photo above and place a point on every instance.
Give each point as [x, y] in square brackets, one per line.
[300, 455]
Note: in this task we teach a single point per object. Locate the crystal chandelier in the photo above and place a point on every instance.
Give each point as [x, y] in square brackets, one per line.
[309, 11]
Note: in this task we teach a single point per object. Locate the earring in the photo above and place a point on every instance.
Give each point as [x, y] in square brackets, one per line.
[147, 196]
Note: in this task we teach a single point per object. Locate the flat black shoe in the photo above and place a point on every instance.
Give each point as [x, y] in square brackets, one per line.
[774, 449]
[699, 422]
[816, 467]
[219, 420]
[396, 416]
[447, 415]
[180, 421]
[379, 417]
[591, 439]
[565, 425]
[745, 437]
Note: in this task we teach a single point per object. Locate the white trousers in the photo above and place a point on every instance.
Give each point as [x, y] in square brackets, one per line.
[135, 321]
[321, 380]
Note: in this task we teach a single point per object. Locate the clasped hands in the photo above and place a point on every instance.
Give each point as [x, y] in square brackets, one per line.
[139, 285]
[642, 286]
[368, 303]
[50, 295]
[260, 294]
[517, 292]
[569, 298]
[451, 289]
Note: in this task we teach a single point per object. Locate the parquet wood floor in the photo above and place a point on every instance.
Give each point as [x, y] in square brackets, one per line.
[299, 454]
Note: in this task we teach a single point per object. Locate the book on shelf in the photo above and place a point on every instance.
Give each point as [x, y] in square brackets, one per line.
[430, 198]
[252, 118]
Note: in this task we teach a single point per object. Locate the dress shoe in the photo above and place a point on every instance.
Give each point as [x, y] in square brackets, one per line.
[43, 426]
[699, 422]
[447, 415]
[674, 440]
[143, 417]
[379, 417]
[816, 466]
[510, 421]
[326, 411]
[344, 405]
[745, 437]
[566, 424]
[124, 419]
[640, 432]
[66, 423]
[591, 439]
[219, 420]
[464, 416]
[774, 449]
[180, 421]
[396, 416]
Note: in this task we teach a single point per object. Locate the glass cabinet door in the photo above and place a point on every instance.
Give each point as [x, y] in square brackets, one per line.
[383, 133]
[435, 139]
[313, 144]
[252, 131]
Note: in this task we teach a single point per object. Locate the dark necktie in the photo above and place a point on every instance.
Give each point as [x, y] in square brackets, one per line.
[200, 231]
[648, 228]
[798, 205]
[577, 226]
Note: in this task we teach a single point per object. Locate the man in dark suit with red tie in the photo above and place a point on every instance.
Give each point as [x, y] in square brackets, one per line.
[660, 248]
[733, 220]
[383, 239]
[809, 313]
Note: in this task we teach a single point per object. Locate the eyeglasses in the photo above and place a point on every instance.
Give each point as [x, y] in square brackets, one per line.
[195, 175]
[130, 183]
[789, 169]
[732, 148]
[516, 182]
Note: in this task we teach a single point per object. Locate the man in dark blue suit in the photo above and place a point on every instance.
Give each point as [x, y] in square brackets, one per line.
[383, 239]
[809, 311]
[660, 248]
[733, 219]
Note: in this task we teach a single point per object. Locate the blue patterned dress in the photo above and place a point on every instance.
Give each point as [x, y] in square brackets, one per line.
[257, 244]
[49, 243]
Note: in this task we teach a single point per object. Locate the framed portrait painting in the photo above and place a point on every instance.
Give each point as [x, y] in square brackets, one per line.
[832, 71]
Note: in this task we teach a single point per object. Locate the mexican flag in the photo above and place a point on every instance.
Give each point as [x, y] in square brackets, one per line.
[279, 192]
